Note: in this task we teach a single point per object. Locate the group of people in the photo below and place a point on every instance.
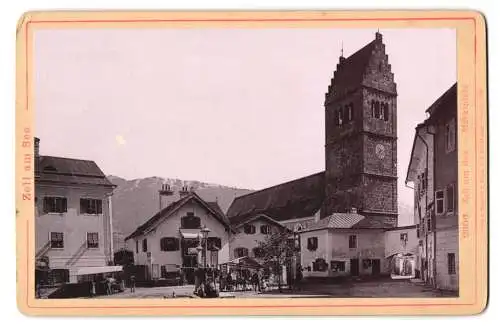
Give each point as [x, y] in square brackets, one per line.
[243, 281]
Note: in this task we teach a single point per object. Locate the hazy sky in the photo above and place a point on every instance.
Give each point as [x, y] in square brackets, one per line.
[238, 107]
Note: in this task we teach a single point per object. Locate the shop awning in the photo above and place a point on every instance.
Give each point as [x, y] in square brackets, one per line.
[189, 234]
[96, 270]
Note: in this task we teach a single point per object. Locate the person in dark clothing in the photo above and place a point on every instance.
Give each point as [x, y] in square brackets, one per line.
[256, 282]
[132, 284]
[229, 282]
[298, 277]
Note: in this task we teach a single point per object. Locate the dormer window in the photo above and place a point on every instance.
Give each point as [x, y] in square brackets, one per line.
[249, 229]
[265, 229]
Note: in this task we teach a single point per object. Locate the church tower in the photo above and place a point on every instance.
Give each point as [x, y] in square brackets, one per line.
[361, 135]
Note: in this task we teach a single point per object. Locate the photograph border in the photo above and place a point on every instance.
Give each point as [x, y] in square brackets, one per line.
[472, 158]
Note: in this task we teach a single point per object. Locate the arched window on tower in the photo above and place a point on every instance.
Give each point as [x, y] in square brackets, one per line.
[341, 117]
[348, 112]
[373, 108]
[386, 111]
[351, 111]
[377, 109]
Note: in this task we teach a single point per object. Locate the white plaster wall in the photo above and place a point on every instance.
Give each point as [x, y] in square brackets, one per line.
[74, 225]
[170, 227]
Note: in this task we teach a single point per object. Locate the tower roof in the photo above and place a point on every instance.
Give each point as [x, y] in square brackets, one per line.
[350, 71]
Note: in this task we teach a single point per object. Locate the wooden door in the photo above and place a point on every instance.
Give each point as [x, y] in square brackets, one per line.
[354, 267]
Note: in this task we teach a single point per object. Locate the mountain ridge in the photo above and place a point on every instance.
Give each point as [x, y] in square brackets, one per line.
[137, 200]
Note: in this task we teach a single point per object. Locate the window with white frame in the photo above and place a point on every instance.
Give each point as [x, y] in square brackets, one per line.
[55, 204]
[265, 229]
[452, 268]
[353, 241]
[240, 252]
[439, 199]
[450, 135]
[91, 206]
[312, 243]
[56, 240]
[450, 198]
[92, 240]
[249, 229]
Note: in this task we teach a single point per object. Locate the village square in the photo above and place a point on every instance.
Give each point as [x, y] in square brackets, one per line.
[334, 233]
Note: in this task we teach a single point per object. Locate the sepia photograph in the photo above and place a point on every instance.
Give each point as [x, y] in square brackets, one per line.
[242, 163]
[251, 163]
[227, 163]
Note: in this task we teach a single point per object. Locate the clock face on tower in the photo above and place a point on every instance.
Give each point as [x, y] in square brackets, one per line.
[380, 151]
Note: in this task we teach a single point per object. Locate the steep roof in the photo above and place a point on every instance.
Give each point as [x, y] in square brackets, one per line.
[350, 71]
[448, 98]
[172, 208]
[69, 171]
[299, 198]
[337, 220]
[258, 217]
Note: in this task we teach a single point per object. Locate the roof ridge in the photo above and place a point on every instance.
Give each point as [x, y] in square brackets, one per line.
[67, 158]
[275, 186]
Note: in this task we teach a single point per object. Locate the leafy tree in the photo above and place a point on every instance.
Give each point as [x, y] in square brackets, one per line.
[278, 249]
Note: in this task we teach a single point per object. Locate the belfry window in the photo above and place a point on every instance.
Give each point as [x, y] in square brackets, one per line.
[380, 110]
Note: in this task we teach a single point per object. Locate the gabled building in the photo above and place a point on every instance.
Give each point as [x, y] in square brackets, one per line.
[73, 219]
[250, 234]
[172, 239]
[435, 149]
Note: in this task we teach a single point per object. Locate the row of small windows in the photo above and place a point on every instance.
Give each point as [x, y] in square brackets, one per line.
[54, 204]
[169, 244]
[250, 229]
[312, 243]
[345, 114]
[380, 110]
[258, 252]
[57, 240]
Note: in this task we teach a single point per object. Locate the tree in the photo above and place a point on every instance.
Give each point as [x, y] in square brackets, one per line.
[278, 249]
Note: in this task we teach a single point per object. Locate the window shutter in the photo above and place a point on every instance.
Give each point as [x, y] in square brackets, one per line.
[45, 207]
[82, 206]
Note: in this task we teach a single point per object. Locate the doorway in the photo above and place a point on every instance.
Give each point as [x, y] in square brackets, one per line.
[375, 267]
[354, 267]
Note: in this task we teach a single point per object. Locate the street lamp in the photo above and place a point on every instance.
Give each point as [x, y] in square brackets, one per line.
[204, 235]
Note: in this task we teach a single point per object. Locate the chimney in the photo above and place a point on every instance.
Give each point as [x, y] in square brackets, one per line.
[37, 147]
[184, 191]
[37, 156]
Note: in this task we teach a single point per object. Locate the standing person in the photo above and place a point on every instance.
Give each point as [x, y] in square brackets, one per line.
[229, 282]
[132, 284]
[92, 288]
[298, 277]
[255, 281]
